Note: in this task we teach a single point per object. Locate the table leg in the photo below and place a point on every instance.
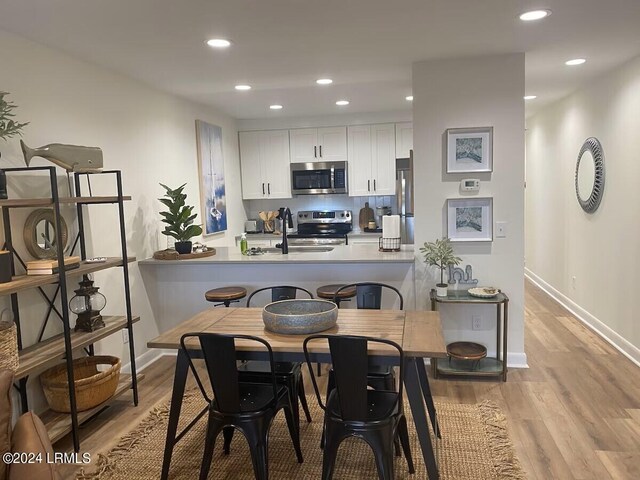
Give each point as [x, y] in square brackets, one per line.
[498, 325]
[505, 320]
[179, 383]
[414, 394]
[426, 392]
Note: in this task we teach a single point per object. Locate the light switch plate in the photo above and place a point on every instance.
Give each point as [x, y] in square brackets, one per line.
[501, 229]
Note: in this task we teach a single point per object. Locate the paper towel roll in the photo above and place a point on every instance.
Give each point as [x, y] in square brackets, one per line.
[391, 226]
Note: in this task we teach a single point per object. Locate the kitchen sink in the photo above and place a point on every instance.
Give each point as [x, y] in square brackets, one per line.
[299, 249]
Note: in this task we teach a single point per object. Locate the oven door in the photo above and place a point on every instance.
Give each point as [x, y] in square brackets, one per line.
[318, 178]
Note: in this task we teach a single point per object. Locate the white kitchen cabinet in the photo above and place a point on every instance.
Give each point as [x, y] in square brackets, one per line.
[404, 139]
[372, 160]
[318, 144]
[264, 160]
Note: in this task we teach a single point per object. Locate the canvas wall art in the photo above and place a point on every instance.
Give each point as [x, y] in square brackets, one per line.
[470, 220]
[469, 150]
[211, 170]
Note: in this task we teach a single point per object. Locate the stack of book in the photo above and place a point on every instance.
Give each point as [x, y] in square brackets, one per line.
[50, 267]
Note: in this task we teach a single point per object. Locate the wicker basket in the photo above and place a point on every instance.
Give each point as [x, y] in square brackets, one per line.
[92, 386]
[8, 344]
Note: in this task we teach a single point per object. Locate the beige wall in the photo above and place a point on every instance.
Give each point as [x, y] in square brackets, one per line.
[600, 250]
[473, 92]
[147, 134]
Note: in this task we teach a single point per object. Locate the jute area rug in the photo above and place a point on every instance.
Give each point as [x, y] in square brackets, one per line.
[475, 445]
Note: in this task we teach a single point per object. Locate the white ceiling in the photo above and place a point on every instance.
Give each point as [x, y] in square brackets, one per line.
[367, 46]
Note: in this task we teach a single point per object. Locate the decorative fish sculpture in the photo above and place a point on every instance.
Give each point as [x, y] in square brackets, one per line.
[73, 158]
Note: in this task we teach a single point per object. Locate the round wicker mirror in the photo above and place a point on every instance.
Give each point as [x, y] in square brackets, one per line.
[589, 178]
[40, 233]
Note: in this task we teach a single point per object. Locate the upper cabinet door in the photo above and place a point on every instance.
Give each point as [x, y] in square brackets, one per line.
[404, 139]
[383, 159]
[250, 152]
[304, 145]
[275, 163]
[360, 179]
[332, 144]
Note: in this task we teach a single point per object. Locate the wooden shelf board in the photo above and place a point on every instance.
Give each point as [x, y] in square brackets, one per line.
[50, 352]
[43, 202]
[59, 424]
[24, 282]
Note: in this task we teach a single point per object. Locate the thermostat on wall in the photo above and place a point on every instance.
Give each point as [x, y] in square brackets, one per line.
[470, 185]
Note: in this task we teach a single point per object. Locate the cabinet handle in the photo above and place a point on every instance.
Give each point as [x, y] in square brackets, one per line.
[315, 151]
[269, 188]
[320, 151]
[374, 184]
[263, 188]
[368, 185]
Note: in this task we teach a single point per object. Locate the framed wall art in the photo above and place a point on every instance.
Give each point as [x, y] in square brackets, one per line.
[470, 219]
[213, 197]
[470, 150]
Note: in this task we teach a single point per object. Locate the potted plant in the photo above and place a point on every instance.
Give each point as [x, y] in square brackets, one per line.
[440, 254]
[179, 219]
[8, 128]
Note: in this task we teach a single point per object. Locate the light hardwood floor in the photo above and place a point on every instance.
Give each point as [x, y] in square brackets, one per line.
[574, 414]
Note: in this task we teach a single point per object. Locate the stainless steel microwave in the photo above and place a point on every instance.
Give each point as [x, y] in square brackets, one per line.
[319, 178]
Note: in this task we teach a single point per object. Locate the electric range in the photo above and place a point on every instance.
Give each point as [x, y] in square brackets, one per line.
[322, 227]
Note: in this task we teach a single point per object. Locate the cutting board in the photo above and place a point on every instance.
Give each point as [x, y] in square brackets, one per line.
[365, 216]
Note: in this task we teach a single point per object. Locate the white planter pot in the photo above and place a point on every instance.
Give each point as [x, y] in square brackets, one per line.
[441, 289]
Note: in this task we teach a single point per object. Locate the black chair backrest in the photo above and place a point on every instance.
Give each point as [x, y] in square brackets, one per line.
[281, 292]
[350, 358]
[219, 352]
[369, 294]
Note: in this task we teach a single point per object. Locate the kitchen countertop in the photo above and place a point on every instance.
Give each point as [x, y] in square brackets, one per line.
[271, 236]
[340, 254]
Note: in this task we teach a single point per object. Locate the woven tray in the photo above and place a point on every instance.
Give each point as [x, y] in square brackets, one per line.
[8, 346]
[171, 254]
[92, 386]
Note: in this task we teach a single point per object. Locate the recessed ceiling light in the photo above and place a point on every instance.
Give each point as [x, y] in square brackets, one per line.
[342, 102]
[530, 97]
[218, 43]
[575, 61]
[534, 15]
[409, 98]
[275, 107]
[243, 87]
[324, 81]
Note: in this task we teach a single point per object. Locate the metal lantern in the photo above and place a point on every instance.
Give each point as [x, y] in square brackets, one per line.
[87, 304]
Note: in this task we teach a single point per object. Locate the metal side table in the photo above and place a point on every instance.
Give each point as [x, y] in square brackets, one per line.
[489, 366]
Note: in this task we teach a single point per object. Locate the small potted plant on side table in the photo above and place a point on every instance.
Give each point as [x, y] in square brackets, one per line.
[179, 219]
[440, 254]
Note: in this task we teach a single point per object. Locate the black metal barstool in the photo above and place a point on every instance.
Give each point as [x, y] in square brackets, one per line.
[225, 295]
[328, 292]
[288, 374]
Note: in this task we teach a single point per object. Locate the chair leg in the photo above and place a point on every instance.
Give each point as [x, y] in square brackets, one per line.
[381, 442]
[403, 433]
[303, 399]
[213, 429]
[334, 437]
[292, 393]
[294, 431]
[228, 436]
[330, 386]
[257, 434]
[319, 368]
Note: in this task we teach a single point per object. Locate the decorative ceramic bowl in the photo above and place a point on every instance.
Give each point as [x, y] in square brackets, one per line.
[299, 316]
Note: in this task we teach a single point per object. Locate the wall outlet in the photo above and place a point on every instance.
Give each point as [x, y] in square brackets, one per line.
[125, 335]
[501, 229]
[476, 322]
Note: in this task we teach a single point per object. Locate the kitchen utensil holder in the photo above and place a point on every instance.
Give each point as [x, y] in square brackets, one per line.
[389, 244]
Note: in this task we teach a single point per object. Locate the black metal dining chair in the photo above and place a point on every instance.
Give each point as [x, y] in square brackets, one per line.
[369, 296]
[288, 374]
[351, 409]
[248, 407]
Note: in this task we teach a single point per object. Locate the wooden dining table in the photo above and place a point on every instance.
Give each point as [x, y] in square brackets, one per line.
[418, 332]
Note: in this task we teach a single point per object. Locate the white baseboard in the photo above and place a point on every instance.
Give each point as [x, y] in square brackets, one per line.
[616, 340]
[147, 358]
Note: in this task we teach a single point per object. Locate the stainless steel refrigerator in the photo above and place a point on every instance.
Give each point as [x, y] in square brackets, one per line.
[404, 196]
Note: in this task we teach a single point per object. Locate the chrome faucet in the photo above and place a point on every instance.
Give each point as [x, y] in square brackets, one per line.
[284, 214]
